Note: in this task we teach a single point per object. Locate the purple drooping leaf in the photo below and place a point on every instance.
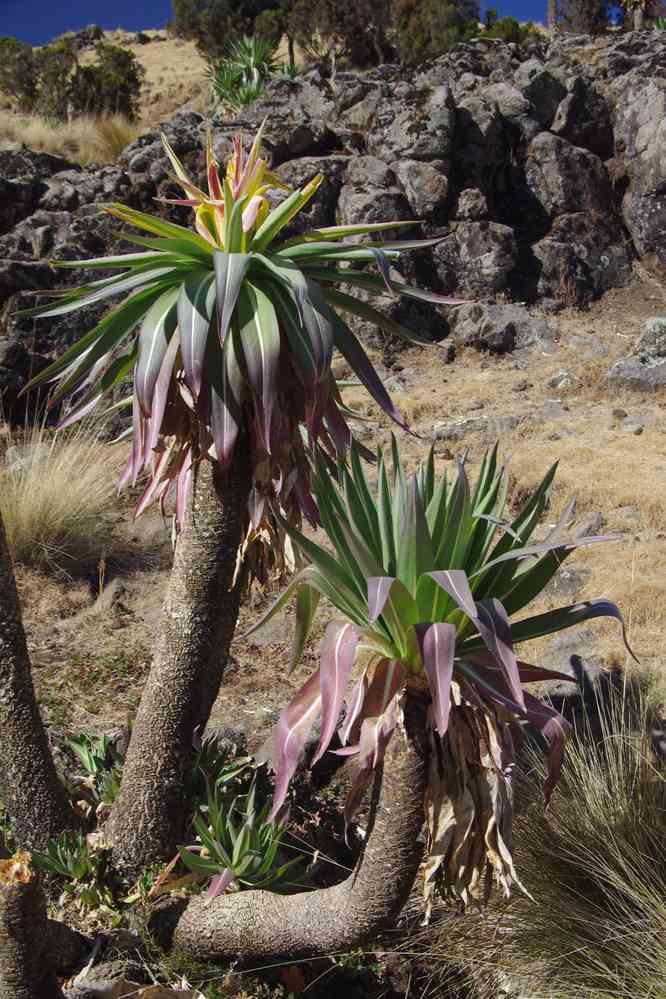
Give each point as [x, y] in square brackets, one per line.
[378, 720]
[554, 729]
[291, 734]
[490, 620]
[376, 733]
[437, 643]
[154, 482]
[379, 588]
[161, 393]
[353, 708]
[79, 412]
[495, 629]
[358, 360]
[337, 658]
[183, 481]
[538, 674]
[220, 883]
[138, 437]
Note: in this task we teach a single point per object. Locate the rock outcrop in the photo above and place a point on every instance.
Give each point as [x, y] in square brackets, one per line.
[546, 165]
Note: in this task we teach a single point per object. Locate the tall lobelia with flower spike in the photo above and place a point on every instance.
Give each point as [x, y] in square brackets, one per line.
[427, 574]
[228, 332]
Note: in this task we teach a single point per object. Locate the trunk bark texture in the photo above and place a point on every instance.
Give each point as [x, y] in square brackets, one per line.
[26, 971]
[639, 18]
[552, 14]
[260, 924]
[200, 614]
[33, 796]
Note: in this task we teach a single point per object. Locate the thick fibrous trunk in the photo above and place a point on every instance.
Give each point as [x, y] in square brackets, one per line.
[200, 614]
[639, 18]
[26, 970]
[552, 14]
[259, 924]
[29, 785]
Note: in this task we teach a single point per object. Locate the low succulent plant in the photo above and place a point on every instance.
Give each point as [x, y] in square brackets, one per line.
[238, 844]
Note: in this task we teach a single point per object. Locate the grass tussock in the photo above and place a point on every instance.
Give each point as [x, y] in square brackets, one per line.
[57, 497]
[88, 139]
[595, 866]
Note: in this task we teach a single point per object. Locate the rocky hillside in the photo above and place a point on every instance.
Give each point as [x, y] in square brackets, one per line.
[548, 164]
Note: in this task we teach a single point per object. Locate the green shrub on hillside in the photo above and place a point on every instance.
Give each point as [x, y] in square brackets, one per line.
[425, 29]
[17, 72]
[213, 23]
[507, 28]
[358, 29]
[109, 86]
[50, 81]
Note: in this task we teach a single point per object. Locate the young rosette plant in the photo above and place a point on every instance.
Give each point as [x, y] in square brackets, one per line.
[238, 844]
[227, 332]
[428, 574]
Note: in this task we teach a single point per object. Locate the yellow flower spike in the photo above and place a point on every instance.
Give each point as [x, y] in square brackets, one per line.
[234, 164]
[214, 182]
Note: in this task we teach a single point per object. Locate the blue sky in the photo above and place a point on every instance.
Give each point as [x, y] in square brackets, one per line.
[38, 21]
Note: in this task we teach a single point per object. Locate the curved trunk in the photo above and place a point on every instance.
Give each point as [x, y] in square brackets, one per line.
[260, 924]
[29, 786]
[26, 970]
[200, 614]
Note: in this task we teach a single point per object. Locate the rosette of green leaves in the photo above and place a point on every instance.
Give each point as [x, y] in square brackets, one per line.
[433, 582]
[227, 332]
[102, 764]
[238, 844]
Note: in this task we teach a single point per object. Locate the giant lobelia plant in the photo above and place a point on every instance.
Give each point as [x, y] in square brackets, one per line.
[226, 332]
[428, 574]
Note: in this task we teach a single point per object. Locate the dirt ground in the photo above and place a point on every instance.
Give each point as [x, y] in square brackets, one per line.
[91, 655]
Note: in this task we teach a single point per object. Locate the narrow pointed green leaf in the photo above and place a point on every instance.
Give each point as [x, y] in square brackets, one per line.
[260, 340]
[364, 311]
[156, 331]
[196, 301]
[230, 271]
[134, 282]
[307, 601]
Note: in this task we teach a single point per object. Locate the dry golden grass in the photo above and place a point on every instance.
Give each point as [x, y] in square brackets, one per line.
[87, 139]
[57, 498]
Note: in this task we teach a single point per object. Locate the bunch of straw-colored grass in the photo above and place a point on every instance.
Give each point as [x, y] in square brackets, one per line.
[57, 497]
[86, 139]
